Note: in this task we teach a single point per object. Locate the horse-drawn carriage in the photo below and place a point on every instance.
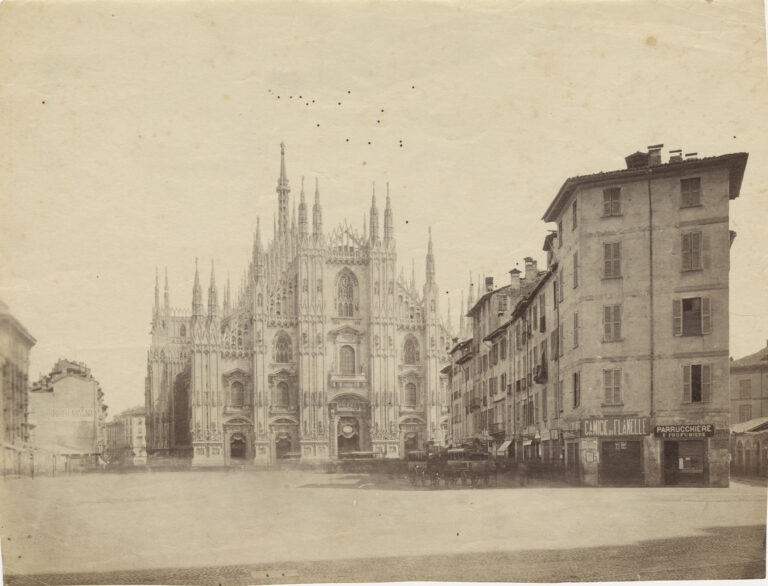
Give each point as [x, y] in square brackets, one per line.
[469, 466]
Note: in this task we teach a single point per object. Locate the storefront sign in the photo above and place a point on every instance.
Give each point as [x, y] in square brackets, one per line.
[615, 426]
[683, 431]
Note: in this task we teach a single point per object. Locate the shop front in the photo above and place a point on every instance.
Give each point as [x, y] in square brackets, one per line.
[685, 453]
[619, 457]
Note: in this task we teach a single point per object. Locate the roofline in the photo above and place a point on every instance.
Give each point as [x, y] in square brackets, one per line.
[482, 298]
[738, 164]
[22, 330]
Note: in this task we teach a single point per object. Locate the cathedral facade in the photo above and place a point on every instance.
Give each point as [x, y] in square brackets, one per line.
[325, 351]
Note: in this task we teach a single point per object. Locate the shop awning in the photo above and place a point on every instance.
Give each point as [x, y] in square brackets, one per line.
[502, 449]
[527, 442]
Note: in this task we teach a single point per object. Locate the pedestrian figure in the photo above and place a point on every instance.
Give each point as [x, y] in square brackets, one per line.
[522, 473]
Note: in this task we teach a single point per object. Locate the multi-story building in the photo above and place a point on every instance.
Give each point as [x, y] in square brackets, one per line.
[325, 352]
[749, 387]
[67, 414]
[15, 346]
[127, 438]
[642, 262]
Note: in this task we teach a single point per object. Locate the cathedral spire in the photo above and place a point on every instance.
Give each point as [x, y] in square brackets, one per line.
[471, 298]
[388, 229]
[449, 318]
[213, 297]
[157, 291]
[283, 192]
[462, 328]
[167, 299]
[258, 252]
[227, 300]
[293, 218]
[374, 217]
[302, 212]
[413, 273]
[317, 212]
[197, 295]
[430, 260]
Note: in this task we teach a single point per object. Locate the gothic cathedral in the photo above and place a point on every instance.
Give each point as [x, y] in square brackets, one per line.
[325, 352]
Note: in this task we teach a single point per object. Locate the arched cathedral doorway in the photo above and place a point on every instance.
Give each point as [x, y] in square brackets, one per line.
[237, 447]
[348, 439]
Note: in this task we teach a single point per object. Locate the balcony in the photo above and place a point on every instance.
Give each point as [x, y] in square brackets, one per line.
[540, 373]
[497, 428]
[474, 404]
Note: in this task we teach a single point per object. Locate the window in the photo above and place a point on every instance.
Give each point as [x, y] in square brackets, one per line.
[411, 351]
[745, 389]
[745, 413]
[562, 283]
[554, 293]
[561, 341]
[697, 383]
[691, 316]
[691, 251]
[574, 214]
[612, 386]
[612, 201]
[544, 404]
[283, 351]
[612, 260]
[502, 303]
[410, 395]
[183, 331]
[575, 269]
[576, 389]
[503, 348]
[237, 394]
[611, 323]
[346, 295]
[690, 190]
[560, 396]
[553, 342]
[542, 314]
[282, 396]
[347, 360]
[559, 233]
[576, 329]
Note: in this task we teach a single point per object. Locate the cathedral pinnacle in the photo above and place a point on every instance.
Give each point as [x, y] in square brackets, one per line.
[213, 302]
[374, 217]
[283, 192]
[157, 290]
[197, 295]
[317, 212]
[388, 229]
[430, 260]
[167, 292]
[302, 211]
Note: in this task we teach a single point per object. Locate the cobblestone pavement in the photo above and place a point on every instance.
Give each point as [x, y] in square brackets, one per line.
[237, 527]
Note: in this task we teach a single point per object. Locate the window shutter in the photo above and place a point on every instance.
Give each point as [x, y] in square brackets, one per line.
[617, 387]
[606, 203]
[607, 386]
[617, 322]
[616, 202]
[686, 252]
[607, 265]
[677, 317]
[562, 284]
[687, 383]
[607, 322]
[706, 383]
[617, 259]
[706, 316]
[695, 250]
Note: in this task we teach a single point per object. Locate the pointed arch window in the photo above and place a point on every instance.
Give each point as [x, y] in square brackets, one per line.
[237, 394]
[283, 350]
[411, 351]
[410, 394]
[347, 360]
[183, 331]
[346, 294]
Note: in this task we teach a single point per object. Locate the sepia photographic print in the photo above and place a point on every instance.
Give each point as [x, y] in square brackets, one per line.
[309, 292]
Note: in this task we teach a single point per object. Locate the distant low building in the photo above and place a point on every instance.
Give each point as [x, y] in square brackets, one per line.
[749, 387]
[15, 345]
[67, 414]
[749, 447]
[127, 438]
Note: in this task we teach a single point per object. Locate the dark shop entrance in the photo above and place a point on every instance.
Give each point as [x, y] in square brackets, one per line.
[684, 462]
[621, 462]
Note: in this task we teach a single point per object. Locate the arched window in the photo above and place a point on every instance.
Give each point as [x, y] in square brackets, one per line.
[282, 396]
[237, 394]
[347, 360]
[283, 351]
[183, 331]
[346, 294]
[410, 395]
[411, 351]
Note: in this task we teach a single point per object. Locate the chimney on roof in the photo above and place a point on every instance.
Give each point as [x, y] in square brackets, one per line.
[654, 155]
[488, 284]
[531, 270]
[514, 279]
[691, 156]
[676, 156]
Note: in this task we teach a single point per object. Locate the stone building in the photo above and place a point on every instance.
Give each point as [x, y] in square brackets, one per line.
[68, 416]
[326, 350]
[15, 345]
[749, 387]
[618, 352]
[127, 438]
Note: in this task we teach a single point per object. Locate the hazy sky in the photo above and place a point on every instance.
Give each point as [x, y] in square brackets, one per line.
[137, 135]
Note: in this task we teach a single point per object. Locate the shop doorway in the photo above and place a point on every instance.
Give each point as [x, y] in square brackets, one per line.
[621, 462]
[684, 462]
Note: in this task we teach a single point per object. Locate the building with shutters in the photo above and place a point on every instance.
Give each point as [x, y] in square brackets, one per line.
[749, 387]
[325, 351]
[617, 362]
[127, 438]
